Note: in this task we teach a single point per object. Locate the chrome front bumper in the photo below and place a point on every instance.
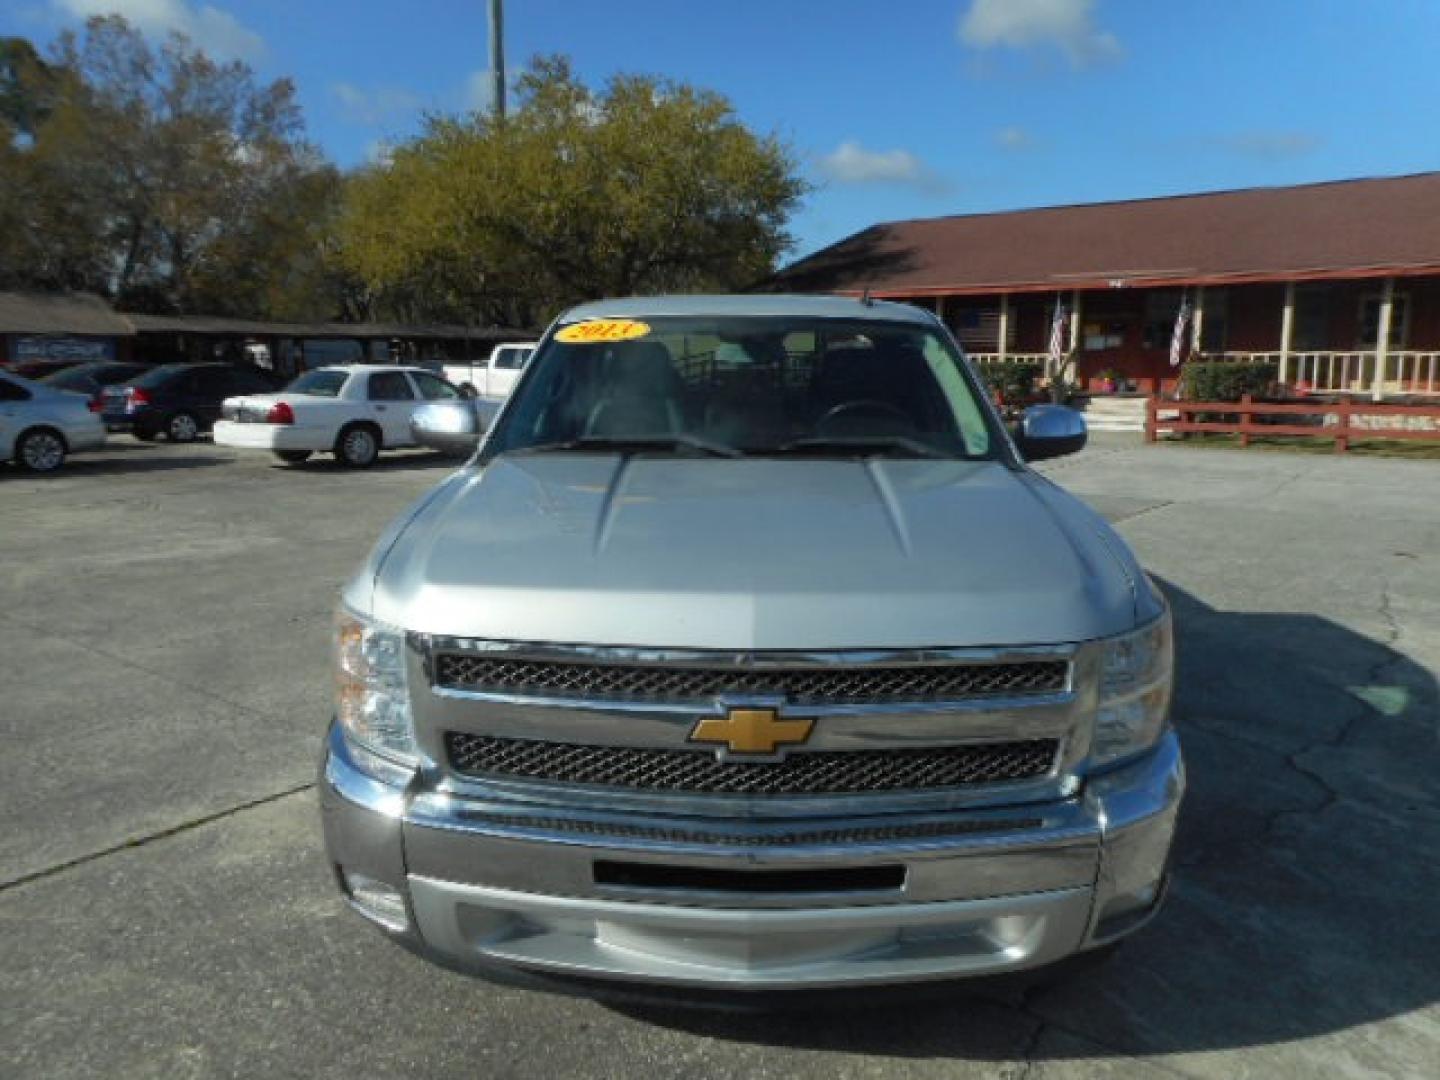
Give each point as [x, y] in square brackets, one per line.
[1015, 888]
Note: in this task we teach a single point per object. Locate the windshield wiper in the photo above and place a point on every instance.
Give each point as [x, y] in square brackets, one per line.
[629, 444]
[866, 445]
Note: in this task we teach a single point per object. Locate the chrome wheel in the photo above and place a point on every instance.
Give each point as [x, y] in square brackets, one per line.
[41, 451]
[358, 447]
[182, 428]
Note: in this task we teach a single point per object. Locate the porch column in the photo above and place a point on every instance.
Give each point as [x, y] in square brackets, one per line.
[1004, 325]
[1287, 331]
[1073, 347]
[1382, 339]
[1197, 323]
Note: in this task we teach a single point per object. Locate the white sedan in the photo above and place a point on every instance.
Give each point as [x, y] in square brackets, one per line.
[352, 411]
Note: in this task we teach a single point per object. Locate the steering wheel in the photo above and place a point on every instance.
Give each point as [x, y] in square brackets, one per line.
[866, 405]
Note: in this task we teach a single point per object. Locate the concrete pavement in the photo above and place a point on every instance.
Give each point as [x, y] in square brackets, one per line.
[166, 910]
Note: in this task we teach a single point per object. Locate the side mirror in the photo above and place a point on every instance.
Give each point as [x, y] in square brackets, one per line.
[1048, 431]
[468, 391]
[453, 425]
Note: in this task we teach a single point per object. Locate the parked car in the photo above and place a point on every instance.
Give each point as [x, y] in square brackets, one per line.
[40, 425]
[353, 411]
[91, 379]
[453, 426]
[35, 370]
[179, 401]
[775, 675]
[494, 376]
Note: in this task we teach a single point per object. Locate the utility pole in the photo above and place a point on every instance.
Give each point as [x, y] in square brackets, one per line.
[497, 59]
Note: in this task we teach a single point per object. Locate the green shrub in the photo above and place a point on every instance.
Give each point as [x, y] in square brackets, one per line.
[1227, 382]
[1014, 381]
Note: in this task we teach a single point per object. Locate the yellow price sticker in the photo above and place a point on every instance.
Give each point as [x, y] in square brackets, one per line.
[601, 330]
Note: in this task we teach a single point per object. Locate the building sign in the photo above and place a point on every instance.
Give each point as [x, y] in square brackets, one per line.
[63, 347]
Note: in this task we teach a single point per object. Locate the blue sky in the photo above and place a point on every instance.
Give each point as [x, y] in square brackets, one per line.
[910, 108]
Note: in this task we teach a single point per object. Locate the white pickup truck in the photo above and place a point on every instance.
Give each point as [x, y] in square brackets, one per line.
[495, 376]
[748, 654]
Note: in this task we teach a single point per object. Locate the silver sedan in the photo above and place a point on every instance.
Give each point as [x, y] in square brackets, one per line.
[40, 425]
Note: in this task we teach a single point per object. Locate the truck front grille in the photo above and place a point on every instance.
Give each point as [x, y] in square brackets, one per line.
[818, 772]
[817, 685]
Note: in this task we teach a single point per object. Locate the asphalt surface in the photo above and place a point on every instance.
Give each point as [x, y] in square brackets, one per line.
[165, 909]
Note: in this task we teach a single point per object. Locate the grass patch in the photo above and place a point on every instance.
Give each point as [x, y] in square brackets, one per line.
[1299, 444]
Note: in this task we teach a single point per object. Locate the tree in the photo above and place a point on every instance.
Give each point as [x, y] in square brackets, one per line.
[169, 181]
[648, 186]
[28, 87]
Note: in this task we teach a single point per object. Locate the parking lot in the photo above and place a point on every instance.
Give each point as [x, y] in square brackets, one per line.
[166, 910]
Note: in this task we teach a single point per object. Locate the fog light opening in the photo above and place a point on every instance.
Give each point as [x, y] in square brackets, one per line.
[377, 901]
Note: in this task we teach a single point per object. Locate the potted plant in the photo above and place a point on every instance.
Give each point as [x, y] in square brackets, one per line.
[1109, 380]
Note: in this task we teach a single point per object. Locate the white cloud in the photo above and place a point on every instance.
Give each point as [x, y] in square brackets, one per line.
[851, 163]
[1023, 24]
[1271, 145]
[215, 31]
[1014, 138]
[376, 106]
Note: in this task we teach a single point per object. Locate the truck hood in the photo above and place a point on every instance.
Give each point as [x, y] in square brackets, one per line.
[751, 554]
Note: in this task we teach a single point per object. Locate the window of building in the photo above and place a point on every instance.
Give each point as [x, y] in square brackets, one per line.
[1311, 330]
[1215, 328]
[1098, 336]
[978, 329]
[1161, 307]
[1370, 320]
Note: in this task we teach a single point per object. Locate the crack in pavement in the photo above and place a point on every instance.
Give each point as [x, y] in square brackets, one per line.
[149, 838]
[1043, 1025]
[1141, 512]
[1329, 796]
[116, 658]
[1361, 711]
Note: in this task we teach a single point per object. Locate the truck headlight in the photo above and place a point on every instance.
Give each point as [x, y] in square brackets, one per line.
[1134, 691]
[372, 703]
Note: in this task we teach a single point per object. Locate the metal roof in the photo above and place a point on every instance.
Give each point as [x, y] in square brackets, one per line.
[702, 306]
[59, 313]
[1348, 228]
[214, 324]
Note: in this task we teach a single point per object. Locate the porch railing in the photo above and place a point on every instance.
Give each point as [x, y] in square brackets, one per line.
[1407, 371]
[985, 359]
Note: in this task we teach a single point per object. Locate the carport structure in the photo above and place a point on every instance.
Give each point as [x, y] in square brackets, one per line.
[60, 326]
[290, 348]
[1336, 284]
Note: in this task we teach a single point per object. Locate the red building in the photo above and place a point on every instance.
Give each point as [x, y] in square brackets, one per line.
[1336, 284]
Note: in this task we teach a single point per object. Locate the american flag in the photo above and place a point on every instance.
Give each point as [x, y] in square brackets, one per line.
[1057, 335]
[1177, 339]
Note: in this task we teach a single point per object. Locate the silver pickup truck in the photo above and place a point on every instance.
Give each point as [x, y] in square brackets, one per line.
[748, 654]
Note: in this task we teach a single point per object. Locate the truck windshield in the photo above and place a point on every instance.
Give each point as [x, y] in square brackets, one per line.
[758, 386]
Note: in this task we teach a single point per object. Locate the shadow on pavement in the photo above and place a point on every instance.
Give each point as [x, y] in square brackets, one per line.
[134, 460]
[390, 461]
[1305, 879]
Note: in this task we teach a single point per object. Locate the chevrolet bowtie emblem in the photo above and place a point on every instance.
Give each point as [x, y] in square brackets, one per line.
[751, 731]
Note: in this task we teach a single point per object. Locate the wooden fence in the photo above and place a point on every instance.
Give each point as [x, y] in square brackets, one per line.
[1337, 420]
